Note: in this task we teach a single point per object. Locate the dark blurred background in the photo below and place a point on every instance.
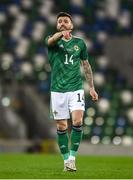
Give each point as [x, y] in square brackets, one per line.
[107, 28]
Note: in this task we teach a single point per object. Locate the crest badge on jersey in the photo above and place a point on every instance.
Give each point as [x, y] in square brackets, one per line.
[76, 48]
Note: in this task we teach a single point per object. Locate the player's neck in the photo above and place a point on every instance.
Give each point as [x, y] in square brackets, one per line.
[63, 38]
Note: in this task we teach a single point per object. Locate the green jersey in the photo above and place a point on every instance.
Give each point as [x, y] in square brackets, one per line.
[65, 58]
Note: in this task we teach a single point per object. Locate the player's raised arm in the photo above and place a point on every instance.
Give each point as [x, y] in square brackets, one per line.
[55, 37]
[52, 40]
[89, 79]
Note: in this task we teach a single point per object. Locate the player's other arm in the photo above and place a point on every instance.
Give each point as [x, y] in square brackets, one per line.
[89, 79]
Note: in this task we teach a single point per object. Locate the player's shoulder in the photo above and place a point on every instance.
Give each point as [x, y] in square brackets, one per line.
[46, 39]
[48, 36]
[78, 39]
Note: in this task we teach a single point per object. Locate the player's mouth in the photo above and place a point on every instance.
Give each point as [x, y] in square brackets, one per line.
[63, 28]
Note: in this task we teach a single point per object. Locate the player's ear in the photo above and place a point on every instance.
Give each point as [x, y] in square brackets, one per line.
[72, 26]
[57, 27]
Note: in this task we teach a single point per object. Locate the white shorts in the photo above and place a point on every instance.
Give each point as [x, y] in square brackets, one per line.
[62, 104]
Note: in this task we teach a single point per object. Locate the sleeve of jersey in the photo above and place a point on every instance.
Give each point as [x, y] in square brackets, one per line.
[84, 51]
[46, 40]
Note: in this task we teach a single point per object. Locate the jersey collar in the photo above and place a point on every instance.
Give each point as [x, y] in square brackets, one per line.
[66, 39]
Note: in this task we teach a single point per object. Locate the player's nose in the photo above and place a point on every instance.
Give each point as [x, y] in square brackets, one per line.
[62, 26]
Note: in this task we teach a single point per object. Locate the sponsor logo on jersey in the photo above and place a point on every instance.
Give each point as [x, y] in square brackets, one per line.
[69, 50]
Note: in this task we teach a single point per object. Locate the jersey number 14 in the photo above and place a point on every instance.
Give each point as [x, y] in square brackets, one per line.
[68, 60]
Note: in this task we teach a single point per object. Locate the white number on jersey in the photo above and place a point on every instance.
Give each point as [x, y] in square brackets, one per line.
[68, 60]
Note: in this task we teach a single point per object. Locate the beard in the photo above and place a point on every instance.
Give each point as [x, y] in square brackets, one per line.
[63, 28]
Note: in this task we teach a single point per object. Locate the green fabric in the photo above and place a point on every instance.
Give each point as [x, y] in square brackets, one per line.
[65, 156]
[65, 58]
[76, 137]
[62, 140]
[73, 153]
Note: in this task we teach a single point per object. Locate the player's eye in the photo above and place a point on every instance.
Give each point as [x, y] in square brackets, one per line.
[65, 21]
[60, 21]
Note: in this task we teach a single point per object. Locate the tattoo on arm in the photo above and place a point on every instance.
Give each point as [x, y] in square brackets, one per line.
[88, 73]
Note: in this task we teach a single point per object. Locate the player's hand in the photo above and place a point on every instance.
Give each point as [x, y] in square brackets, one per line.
[93, 94]
[66, 34]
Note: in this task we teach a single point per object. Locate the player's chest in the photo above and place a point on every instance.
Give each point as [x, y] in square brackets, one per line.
[71, 49]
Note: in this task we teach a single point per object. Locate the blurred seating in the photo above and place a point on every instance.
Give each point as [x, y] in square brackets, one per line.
[24, 25]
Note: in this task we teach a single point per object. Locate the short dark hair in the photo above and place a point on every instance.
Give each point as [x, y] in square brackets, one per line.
[63, 14]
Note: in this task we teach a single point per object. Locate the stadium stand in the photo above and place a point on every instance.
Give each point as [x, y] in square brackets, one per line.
[23, 60]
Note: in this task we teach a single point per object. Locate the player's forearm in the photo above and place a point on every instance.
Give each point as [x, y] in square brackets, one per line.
[88, 73]
[52, 40]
